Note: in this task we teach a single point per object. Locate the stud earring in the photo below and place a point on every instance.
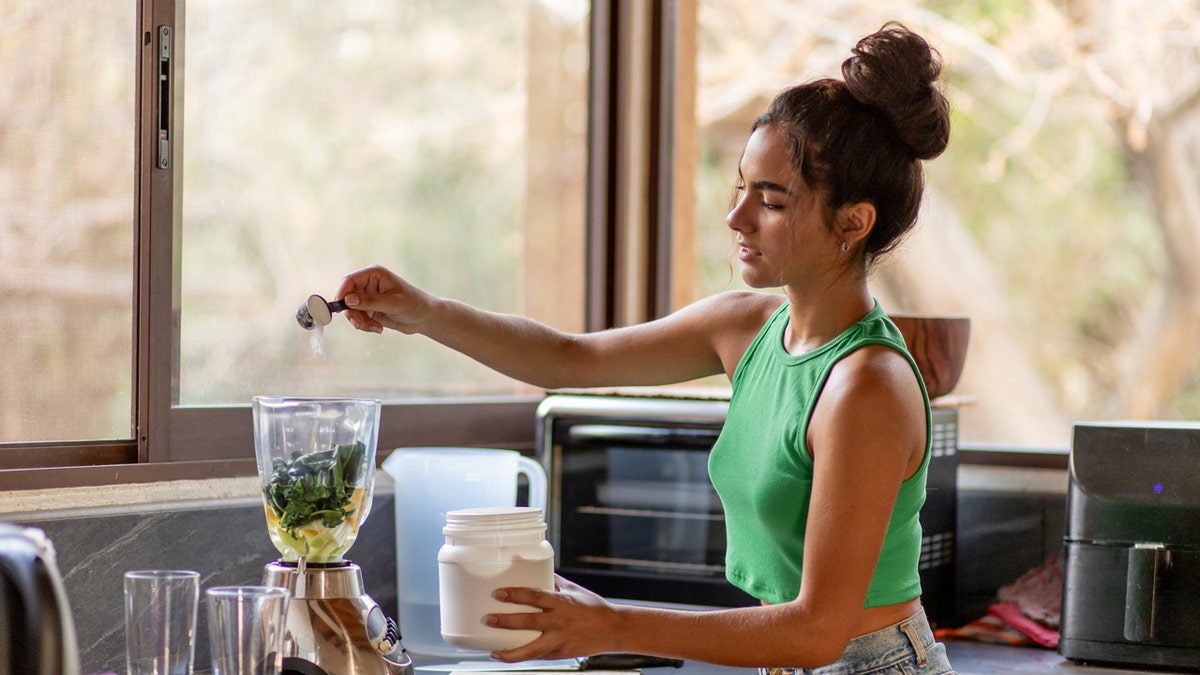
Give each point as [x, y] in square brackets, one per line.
[844, 247]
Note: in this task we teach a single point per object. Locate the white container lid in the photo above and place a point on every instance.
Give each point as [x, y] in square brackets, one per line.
[495, 526]
[493, 518]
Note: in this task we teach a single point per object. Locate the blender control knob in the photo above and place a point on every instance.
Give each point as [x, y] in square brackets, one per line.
[393, 631]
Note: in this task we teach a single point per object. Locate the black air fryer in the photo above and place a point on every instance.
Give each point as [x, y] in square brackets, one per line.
[1131, 583]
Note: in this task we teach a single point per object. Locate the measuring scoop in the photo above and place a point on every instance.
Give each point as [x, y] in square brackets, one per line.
[317, 312]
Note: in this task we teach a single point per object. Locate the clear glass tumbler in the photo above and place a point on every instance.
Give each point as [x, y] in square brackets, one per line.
[160, 621]
[246, 625]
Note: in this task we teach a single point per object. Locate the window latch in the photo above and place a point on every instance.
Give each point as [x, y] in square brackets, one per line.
[164, 97]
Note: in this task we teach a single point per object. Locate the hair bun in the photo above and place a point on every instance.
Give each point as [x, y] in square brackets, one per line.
[895, 70]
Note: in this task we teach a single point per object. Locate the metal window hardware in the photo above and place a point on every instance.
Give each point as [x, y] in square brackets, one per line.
[164, 97]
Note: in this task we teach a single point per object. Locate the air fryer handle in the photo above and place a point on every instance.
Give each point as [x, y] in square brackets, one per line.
[1147, 562]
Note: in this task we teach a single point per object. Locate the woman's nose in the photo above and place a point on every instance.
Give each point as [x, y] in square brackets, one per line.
[736, 219]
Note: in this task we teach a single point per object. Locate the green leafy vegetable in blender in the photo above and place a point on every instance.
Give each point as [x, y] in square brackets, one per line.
[315, 486]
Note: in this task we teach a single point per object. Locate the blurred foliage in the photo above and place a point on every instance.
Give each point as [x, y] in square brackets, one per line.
[1040, 171]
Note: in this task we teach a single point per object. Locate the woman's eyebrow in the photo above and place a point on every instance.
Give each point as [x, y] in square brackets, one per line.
[769, 186]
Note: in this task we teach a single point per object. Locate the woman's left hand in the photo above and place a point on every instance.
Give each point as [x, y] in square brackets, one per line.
[573, 621]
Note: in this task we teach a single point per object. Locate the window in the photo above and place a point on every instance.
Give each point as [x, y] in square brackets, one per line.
[191, 172]
[66, 208]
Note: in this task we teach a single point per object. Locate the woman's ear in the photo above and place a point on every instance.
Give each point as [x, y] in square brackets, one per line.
[856, 221]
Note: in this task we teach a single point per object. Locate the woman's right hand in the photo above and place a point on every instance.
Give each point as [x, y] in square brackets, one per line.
[377, 298]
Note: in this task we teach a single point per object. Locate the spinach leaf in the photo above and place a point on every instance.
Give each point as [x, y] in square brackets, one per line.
[315, 486]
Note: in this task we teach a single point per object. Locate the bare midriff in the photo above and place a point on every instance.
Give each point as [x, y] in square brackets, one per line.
[876, 618]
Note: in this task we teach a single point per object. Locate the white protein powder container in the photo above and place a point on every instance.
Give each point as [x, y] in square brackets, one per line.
[489, 548]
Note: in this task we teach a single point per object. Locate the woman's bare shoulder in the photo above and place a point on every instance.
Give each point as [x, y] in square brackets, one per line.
[732, 320]
[743, 307]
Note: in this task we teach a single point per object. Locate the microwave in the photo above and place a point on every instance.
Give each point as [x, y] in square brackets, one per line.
[632, 515]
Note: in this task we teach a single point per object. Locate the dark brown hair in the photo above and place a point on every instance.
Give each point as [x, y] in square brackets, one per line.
[863, 139]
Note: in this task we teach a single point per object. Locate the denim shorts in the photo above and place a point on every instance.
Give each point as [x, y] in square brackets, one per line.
[905, 648]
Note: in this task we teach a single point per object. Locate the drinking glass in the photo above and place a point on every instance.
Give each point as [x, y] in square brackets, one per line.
[160, 621]
[246, 628]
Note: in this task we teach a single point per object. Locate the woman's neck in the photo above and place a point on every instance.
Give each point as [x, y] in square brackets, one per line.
[817, 318]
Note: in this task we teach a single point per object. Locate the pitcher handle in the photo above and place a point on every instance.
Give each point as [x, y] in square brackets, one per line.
[537, 481]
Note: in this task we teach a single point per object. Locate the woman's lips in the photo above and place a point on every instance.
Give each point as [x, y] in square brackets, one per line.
[746, 254]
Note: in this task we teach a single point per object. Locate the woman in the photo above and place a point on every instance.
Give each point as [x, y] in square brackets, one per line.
[821, 463]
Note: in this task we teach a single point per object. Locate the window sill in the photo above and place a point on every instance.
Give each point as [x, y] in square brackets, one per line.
[102, 500]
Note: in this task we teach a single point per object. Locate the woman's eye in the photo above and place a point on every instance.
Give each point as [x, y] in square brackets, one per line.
[772, 207]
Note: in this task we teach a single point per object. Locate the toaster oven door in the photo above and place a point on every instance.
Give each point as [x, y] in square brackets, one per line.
[636, 514]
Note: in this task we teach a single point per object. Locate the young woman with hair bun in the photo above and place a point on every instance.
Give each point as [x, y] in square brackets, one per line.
[822, 461]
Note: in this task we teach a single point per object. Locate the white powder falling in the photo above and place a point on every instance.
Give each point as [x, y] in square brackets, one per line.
[316, 341]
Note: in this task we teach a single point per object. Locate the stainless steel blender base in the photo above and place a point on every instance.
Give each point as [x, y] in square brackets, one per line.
[333, 627]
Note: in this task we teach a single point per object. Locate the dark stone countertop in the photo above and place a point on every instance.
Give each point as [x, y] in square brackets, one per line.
[968, 658]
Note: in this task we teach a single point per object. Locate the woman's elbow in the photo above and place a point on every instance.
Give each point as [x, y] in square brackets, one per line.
[815, 644]
[824, 651]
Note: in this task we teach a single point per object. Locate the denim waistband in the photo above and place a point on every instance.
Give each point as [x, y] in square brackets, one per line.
[909, 640]
[912, 636]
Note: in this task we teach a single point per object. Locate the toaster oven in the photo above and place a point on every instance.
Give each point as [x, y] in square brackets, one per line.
[632, 514]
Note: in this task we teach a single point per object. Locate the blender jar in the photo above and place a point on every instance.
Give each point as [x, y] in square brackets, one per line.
[316, 464]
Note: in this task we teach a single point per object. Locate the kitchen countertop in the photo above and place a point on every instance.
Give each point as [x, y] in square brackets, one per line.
[968, 658]
[978, 658]
[972, 658]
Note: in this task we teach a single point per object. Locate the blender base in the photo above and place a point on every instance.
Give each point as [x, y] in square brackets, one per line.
[333, 627]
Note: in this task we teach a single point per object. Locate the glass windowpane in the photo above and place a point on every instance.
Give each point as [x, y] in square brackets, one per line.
[444, 140]
[67, 88]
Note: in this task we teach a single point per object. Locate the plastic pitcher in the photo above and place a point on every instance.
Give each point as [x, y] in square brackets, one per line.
[429, 482]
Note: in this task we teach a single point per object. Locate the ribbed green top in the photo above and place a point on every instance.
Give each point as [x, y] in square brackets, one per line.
[763, 472]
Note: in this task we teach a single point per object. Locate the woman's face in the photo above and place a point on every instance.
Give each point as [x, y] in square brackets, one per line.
[778, 221]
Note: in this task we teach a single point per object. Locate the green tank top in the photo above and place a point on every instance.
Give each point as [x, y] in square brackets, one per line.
[763, 472]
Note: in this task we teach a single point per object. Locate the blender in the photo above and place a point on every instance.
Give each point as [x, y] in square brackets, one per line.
[316, 463]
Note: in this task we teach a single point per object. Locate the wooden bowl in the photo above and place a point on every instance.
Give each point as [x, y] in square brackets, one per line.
[938, 343]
